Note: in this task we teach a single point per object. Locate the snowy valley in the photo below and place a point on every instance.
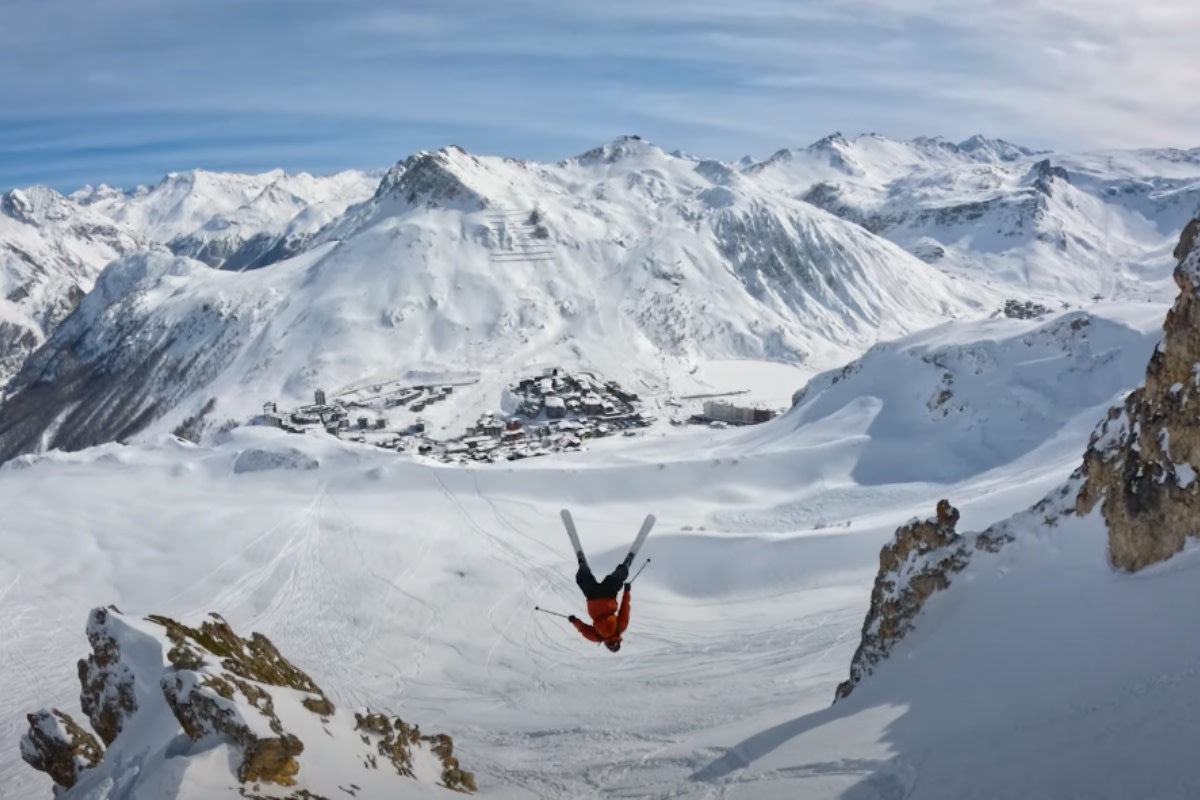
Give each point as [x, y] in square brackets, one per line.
[953, 561]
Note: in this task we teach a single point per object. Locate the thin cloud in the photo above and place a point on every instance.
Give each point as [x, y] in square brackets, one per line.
[364, 83]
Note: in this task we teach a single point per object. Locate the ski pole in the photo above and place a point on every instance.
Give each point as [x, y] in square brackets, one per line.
[639, 572]
[555, 613]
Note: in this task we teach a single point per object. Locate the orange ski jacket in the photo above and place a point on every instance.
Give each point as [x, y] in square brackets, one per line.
[608, 622]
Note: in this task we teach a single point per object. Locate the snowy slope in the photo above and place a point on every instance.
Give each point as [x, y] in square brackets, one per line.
[960, 398]
[232, 220]
[407, 585]
[276, 224]
[1049, 226]
[190, 709]
[180, 203]
[639, 265]
[51, 251]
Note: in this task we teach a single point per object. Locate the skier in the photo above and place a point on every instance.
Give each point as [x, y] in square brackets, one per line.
[608, 621]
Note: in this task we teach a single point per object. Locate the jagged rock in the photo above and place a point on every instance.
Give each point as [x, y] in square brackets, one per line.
[57, 745]
[920, 562]
[1027, 309]
[149, 678]
[204, 695]
[107, 694]
[913, 566]
[917, 563]
[432, 180]
[1141, 461]
[394, 740]
[1044, 173]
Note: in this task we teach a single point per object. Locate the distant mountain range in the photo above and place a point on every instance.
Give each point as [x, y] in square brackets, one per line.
[127, 311]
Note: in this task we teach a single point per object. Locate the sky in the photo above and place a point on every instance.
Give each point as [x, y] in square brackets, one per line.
[123, 91]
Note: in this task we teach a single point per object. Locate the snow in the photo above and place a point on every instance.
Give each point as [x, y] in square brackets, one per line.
[409, 586]
[1185, 474]
[959, 398]
[974, 210]
[638, 256]
[51, 251]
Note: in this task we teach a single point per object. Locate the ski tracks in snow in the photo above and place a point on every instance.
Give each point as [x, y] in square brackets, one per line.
[535, 579]
[433, 617]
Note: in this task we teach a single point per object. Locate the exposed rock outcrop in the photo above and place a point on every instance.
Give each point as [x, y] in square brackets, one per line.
[1140, 467]
[395, 739]
[913, 566]
[107, 695]
[917, 563]
[1141, 461]
[57, 745]
[148, 680]
[214, 669]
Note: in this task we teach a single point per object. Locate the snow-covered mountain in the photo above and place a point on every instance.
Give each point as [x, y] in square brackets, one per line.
[1061, 226]
[1013, 622]
[617, 259]
[276, 224]
[404, 583]
[479, 264]
[229, 220]
[182, 202]
[961, 398]
[51, 250]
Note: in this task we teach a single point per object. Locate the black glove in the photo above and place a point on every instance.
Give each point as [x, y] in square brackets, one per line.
[572, 618]
[628, 586]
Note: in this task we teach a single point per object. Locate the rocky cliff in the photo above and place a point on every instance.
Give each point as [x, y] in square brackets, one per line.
[923, 559]
[917, 563]
[51, 251]
[1141, 461]
[156, 689]
[1139, 467]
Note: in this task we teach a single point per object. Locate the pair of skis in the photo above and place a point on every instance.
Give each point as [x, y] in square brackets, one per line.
[569, 524]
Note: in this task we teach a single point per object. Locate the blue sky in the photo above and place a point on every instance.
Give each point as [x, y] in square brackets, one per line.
[123, 91]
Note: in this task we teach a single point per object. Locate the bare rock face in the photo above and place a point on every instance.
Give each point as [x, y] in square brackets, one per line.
[1141, 461]
[219, 685]
[1140, 467]
[152, 684]
[394, 740]
[107, 696]
[917, 563]
[56, 745]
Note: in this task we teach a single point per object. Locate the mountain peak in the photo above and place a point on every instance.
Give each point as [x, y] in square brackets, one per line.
[833, 141]
[34, 205]
[88, 194]
[619, 149]
[996, 149]
[1042, 175]
[434, 178]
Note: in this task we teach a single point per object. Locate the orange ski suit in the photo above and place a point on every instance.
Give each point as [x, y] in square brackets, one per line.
[608, 622]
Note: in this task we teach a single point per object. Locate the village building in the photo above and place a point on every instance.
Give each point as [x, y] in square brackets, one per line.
[555, 407]
[718, 411]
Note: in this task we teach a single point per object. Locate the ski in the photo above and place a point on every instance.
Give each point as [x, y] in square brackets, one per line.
[569, 524]
[647, 524]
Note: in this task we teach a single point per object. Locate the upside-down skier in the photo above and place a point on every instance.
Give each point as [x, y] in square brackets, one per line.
[608, 620]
